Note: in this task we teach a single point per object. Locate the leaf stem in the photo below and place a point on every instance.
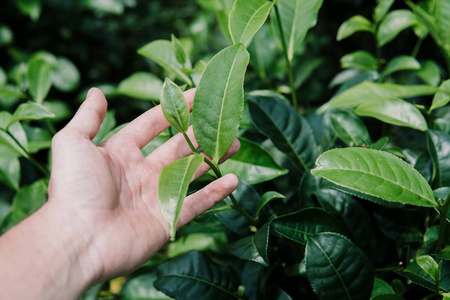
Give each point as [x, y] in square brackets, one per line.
[286, 56]
[218, 174]
[417, 47]
[443, 210]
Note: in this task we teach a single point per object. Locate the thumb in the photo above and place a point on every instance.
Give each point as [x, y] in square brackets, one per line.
[90, 115]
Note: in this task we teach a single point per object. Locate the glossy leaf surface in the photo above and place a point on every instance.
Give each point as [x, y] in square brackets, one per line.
[382, 8]
[394, 22]
[418, 275]
[287, 129]
[401, 63]
[65, 75]
[253, 248]
[162, 52]
[442, 97]
[354, 24]
[349, 128]
[30, 111]
[304, 224]
[337, 269]
[193, 276]
[174, 106]
[430, 73]
[39, 76]
[219, 101]
[375, 173]
[252, 163]
[246, 17]
[266, 199]
[172, 188]
[439, 148]
[361, 60]
[141, 85]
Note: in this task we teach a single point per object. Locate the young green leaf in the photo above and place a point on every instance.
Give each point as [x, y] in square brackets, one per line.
[394, 111]
[442, 97]
[297, 17]
[246, 17]
[430, 73]
[180, 54]
[349, 128]
[394, 22]
[30, 111]
[252, 164]
[141, 85]
[381, 287]
[337, 268]
[367, 92]
[174, 106]
[288, 130]
[375, 173]
[162, 52]
[219, 101]
[14, 138]
[353, 25]
[429, 265]
[39, 77]
[108, 124]
[172, 188]
[265, 199]
[262, 51]
[304, 224]
[381, 9]
[417, 274]
[361, 60]
[194, 275]
[253, 248]
[65, 75]
[401, 63]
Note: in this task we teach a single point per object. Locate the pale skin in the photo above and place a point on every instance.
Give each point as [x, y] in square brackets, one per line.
[102, 218]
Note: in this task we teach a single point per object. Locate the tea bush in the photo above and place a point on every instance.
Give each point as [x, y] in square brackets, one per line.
[343, 123]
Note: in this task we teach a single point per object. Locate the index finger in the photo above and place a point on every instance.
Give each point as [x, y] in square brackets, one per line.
[147, 126]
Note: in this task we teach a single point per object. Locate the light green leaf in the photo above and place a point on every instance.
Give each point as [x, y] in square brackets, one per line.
[265, 199]
[38, 138]
[287, 129]
[28, 200]
[253, 248]
[60, 109]
[246, 17]
[349, 128]
[180, 53]
[219, 101]
[430, 72]
[401, 63]
[394, 22]
[30, 8]
[65, 75]
[6, 36]
[162, 52]
[375, 173]
[429, 265]
[10, 91]
[172, 188]
[304, 224]
[418, 275]
[108, 124]
[442, 97]
[10, 172]
[188, 276]
[252, 163]
[381, 287]
[141, 288]
[381, 9]
[216, 241]
[262, 51]
[14, 138]
[297, 17]
[367, 92]
[39, 76]
[361, 60]
[30, 111]
[337, 268]
[354, 24]
[394, 111]
[141, 85]
[174, 106]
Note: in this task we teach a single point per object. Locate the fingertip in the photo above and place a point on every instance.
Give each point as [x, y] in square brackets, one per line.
[189, 95]
[232, 182]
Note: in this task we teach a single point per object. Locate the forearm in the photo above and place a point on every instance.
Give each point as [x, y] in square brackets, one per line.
[44, 258]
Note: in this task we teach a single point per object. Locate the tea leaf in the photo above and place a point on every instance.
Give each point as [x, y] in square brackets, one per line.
[442, 17]
[442, 97]
[180, 54]
[30, 111]
[439, 149]
[375, 173]
[28, 199]
[394, 22]
[65, 75]
[246, 17]
[353, 25]
[297, 17]
[367, 92]
[140, 288]
[162, 52]
[219, 101]
[141, 85]
[194, 274]
[14, 138]
[304, 224]
[337, 269]
[430, 73]
[253, 248]
[418, 275]
[349, 128]
[39, 76]
[10, 171]
[401, 63]
[174, 106]
[394, 111]
[287, 129]
[265, 199]
[252, 163]
[172, 188]
[381, 9]
[361, 60]
[429, 265]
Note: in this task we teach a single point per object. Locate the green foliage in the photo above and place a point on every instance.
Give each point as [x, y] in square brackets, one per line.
[327, 118]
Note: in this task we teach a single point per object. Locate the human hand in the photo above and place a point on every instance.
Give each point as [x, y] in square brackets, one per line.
[110, 190]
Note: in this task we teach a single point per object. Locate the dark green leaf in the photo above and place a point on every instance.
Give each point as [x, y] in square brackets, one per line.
[252, 164]
[287, 129]
[39, 76]
[303, 224]
[375, 173]
[174, 106]
[349, 128]
[429, 265]
[219, 101]
[246, 17]
[30, 111]
[28, 200]
[353, 25]
[401, 63]
[253, 248]
[401, 225]
[114, 7]
[172, 188]
[381, 287]
[141, 85]
[361, 60]
[439, 149]
[194, 275]
[394, 22]
[417, 275]
[265, 199]
[337, 269]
